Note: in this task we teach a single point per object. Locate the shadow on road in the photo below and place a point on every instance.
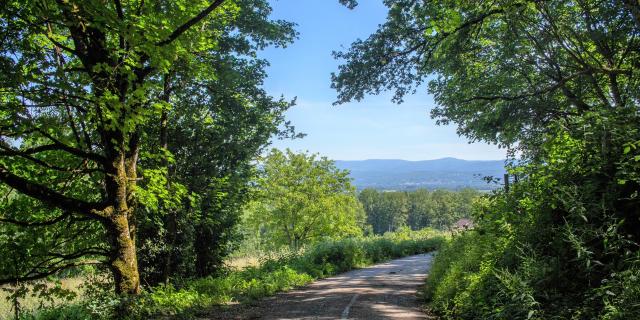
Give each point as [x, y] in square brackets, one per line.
[384, 291]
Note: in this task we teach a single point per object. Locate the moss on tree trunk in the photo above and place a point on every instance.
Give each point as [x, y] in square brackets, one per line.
[121, 226]
[124, 264]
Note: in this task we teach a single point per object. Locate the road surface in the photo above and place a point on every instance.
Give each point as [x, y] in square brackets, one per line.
[383, 291]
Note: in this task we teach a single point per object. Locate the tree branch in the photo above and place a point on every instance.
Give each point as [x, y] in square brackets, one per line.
[558, 85]
[183, 28]
[11, 152]
[75, 151]
[51, 197]
[45, 274]
[444, 35]
[140, 6]
[38, 223]
[119, 9]
[62, 46]
[634, 7]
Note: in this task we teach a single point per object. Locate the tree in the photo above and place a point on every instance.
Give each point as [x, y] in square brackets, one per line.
[303, 198]
[395, 208]
[557, 80]
[444, 212]
[371, 203]
[517, 73]
[391, 210]
[80, 84]
[504, 70]
[215, 129]
[420, 212]
[213, 136]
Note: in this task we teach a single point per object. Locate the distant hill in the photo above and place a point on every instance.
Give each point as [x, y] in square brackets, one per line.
[445, 173]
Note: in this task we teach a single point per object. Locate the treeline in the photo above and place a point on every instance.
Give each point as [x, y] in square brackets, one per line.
[391, 210]
[299, 199]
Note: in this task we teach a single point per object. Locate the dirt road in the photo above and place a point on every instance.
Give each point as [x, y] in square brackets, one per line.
[384, 291]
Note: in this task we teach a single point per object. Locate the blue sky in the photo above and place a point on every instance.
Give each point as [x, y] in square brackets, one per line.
[374, 128]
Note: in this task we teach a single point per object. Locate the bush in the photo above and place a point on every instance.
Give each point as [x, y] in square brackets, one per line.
[286, 271]
[561, 244]
[279, 273]
[70, 312]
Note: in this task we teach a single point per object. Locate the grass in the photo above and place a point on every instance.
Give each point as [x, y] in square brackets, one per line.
[248, 281]
[459, 274]
[239, 263]
[33, 301]
[284, 272]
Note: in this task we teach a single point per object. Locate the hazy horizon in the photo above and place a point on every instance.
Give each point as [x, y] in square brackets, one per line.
[398, 159]
[374, 128]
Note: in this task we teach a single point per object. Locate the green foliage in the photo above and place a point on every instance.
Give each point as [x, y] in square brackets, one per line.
[390, 211]
[301, 199]
[562, 243]
[70, 312]
[128, 115]
[212, 138]
[502, 69]
[556, 81]
[273, 275]
[215, 128]
[457, 267]
[328, 258]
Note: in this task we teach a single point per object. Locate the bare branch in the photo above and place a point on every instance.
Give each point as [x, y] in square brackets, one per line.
[75, 151]
[119, 9]
[558, 85]
[11, 152]
[41, 275]
[62, 46]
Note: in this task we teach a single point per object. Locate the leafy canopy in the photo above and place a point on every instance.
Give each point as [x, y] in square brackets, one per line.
[302, 198]
[500, 70]
[86, 87]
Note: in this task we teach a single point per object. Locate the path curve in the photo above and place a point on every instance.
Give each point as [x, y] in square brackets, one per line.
[383, 291]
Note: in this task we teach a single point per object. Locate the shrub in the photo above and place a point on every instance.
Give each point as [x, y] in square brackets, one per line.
[561, 244]
[281, 272]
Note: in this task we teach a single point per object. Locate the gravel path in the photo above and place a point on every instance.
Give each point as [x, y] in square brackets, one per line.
[383, 291]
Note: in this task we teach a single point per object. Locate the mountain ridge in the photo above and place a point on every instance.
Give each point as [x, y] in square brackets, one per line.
[443, 173]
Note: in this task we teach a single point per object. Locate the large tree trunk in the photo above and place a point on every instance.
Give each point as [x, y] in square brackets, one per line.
[124, 264]
[203, 241]
[121, 225]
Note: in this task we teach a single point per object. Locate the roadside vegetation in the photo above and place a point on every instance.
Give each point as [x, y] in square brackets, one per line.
[280, 272]
[556, 82]
[134, 142]
[302, 221]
